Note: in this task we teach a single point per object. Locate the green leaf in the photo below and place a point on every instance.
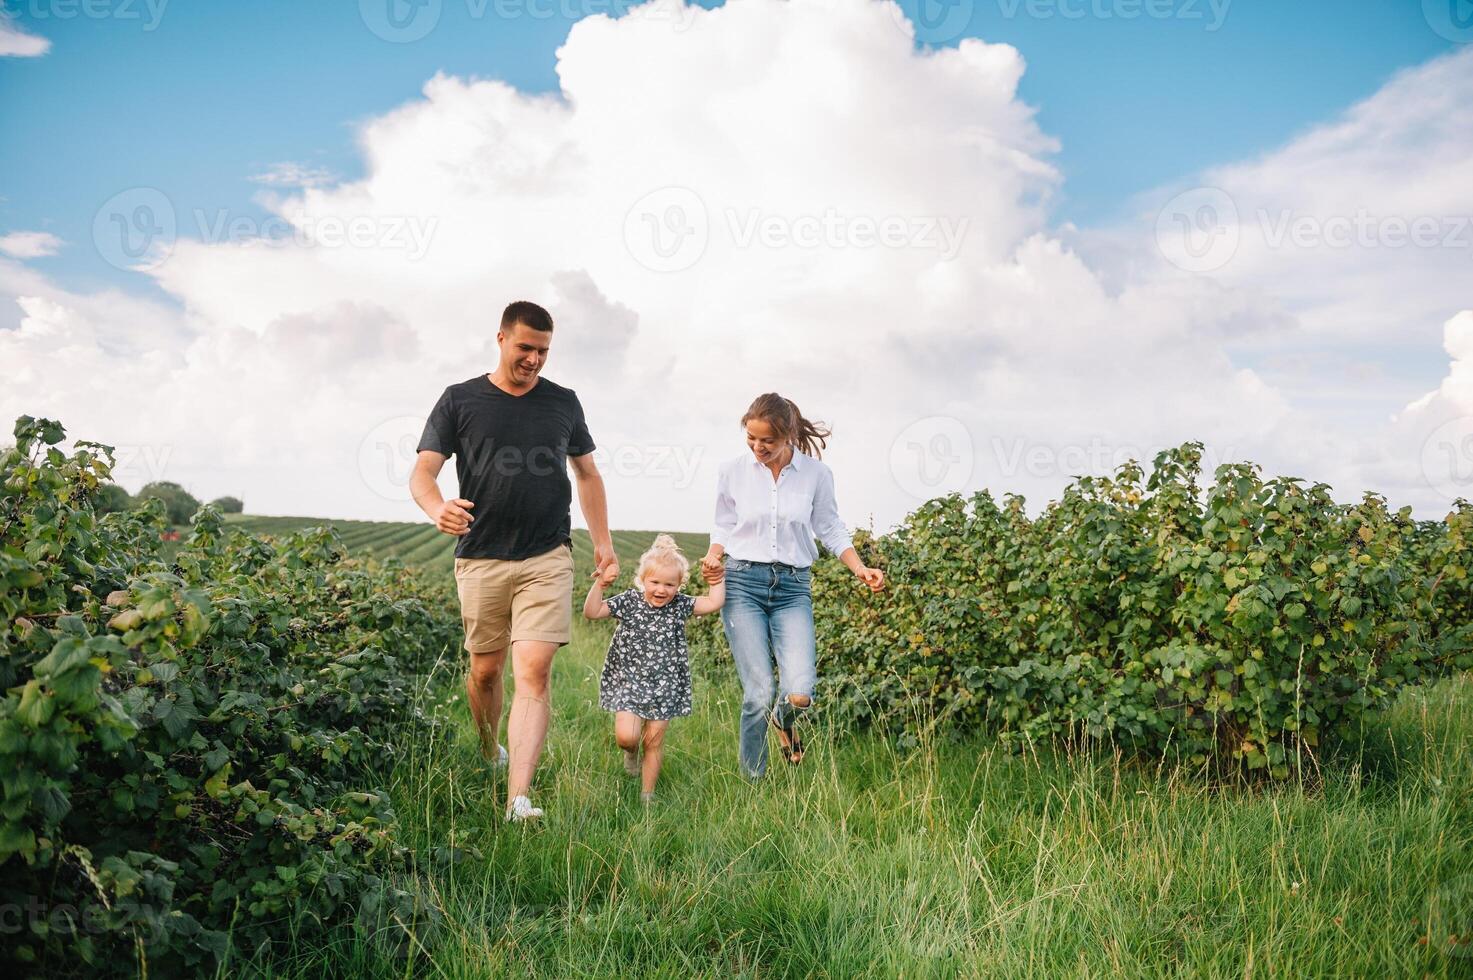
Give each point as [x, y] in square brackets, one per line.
[36, 705]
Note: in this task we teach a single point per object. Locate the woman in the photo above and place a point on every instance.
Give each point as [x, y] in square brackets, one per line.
[770, 504]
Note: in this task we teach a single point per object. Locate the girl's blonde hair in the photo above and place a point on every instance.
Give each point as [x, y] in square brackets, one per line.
[664, 552]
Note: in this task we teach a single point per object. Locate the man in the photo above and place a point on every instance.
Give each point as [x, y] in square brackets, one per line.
[513, 434]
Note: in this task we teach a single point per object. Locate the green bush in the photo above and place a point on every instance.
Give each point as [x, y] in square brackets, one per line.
[228, 505]
[180, 505]
[1235, 627]
[111, 499]
[192, 751]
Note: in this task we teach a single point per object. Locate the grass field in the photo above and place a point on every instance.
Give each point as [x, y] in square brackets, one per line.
[419, 543]
[960, 859]
[955, 860]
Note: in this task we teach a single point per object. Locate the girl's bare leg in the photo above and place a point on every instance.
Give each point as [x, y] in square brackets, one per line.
[654, 753]
[626, 733]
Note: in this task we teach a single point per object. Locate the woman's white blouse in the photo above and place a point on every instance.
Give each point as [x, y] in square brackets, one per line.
[762, 519]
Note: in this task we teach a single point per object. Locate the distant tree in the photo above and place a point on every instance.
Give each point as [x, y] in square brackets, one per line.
[111, 499]
[179, 503]
[228, 505]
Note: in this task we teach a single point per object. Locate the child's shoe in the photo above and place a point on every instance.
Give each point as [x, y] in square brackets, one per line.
[646, 798]
[631, 762]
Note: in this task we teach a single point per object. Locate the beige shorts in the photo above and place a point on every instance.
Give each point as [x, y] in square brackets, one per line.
[503, 601]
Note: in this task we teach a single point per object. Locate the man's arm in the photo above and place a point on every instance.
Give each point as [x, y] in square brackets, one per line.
[594, 503]
[450, 516]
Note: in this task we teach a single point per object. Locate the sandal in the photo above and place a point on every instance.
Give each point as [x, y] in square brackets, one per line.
[788, 741]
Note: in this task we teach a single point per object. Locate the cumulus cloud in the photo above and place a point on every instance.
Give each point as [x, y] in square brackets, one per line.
[1356, 242]
[817, 208]
[29, 244]
[289, 174]
[16, 43]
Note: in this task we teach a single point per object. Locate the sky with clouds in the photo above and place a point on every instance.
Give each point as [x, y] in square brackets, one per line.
[862, 206]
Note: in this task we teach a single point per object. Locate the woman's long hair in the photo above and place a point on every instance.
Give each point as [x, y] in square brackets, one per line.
[789, 424]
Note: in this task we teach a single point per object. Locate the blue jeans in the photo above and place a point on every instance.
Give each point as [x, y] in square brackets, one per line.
[768, 617]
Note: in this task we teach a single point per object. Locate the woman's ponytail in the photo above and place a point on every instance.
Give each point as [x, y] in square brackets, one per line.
[810, 438]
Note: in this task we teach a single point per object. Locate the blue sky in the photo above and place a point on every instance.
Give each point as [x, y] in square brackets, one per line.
[1280, 313]
[194, 98]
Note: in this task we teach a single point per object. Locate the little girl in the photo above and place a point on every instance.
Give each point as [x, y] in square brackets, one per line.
[646, 675]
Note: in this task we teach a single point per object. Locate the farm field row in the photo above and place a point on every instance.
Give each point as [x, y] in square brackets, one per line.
[418, 543]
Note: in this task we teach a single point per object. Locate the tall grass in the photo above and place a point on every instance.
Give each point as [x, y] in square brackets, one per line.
[959, 859]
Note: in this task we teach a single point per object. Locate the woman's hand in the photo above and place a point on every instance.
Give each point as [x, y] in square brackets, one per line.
[872, 577]
[712, 570]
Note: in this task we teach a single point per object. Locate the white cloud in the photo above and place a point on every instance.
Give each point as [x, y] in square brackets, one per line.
[875, 246]
[16, 43]
[289, 174]
[29, 244]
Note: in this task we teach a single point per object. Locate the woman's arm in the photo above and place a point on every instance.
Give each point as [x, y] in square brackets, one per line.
[711, 601]
[725, 523]
[835, 536]
[872, 577]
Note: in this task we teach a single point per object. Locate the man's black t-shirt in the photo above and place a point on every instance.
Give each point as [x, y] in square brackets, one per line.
[511, 457]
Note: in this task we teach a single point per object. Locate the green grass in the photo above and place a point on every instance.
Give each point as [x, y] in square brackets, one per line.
[955, 860]
[960, 859]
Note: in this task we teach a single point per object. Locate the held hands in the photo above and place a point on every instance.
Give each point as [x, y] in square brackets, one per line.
[712, 570]
[606, 564]
[455, 517]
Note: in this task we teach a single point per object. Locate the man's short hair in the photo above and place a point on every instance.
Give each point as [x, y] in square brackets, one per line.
[531, 314]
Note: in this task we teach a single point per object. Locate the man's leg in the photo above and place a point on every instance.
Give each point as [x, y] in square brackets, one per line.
[485, 589]
[526, 727]
[541, 621]
[484, 687]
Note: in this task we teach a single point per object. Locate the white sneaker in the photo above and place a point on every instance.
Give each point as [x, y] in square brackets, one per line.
[502, 759]
[521, 809]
